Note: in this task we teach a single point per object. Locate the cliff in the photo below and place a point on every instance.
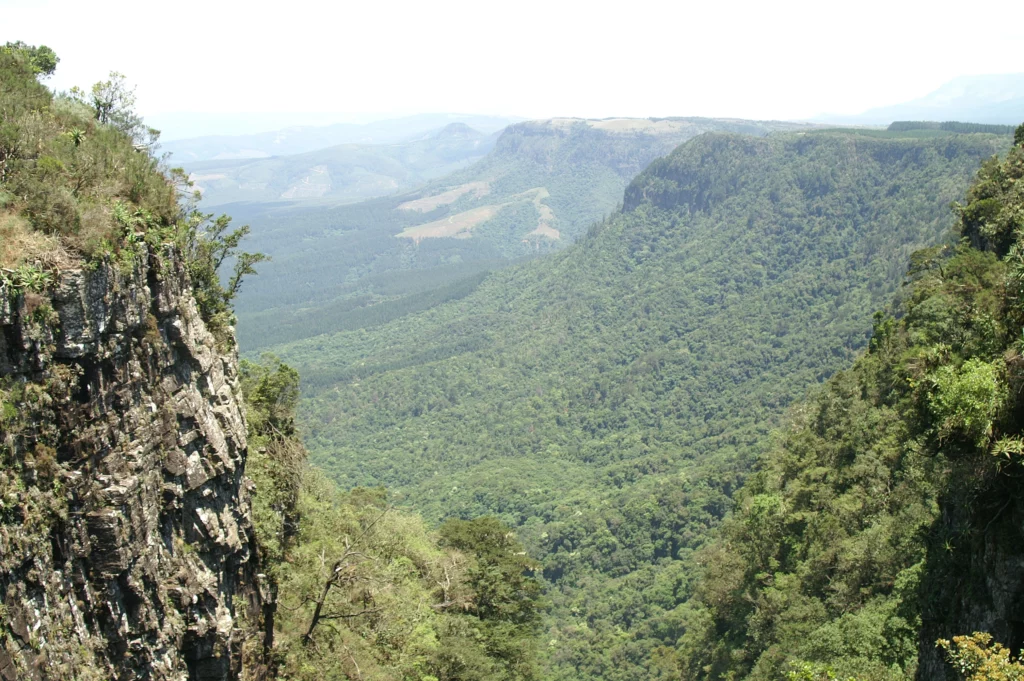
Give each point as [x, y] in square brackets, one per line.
[126, 543]
[975, 570]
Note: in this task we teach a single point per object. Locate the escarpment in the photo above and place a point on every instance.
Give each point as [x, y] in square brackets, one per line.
[126, 542]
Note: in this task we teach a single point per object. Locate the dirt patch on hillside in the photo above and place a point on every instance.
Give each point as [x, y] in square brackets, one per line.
[547, 216]
[457, 226]
[429, 203]
[314, 185]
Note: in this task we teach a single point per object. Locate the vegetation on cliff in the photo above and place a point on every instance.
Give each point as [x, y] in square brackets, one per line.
[862, 532]
[80, 182]
[349, 587]
[363, 590]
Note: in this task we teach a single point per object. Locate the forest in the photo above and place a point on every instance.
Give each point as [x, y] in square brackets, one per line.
[608, 400]
[761, 420]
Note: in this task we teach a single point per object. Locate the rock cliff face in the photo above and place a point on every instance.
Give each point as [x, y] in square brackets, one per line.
[126, 542]
[975, 573]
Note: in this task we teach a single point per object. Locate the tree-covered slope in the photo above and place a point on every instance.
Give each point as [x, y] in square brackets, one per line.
[609, 398]
[887, 515]
[361, 590]
[542, 186]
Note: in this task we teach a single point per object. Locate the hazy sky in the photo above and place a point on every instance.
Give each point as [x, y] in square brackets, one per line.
[780, 59]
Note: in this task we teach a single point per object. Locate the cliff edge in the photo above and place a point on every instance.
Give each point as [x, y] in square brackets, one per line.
[126, 541]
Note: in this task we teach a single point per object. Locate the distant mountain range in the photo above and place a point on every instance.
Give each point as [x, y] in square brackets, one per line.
[342, 173]
[992, 98]
[541, 187]
[301, 139]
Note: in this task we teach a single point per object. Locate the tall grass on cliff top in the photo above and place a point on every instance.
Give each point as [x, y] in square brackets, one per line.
[80, 181]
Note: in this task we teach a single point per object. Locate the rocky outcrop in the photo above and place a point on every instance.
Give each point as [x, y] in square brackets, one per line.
[126, 541]
[974, 577]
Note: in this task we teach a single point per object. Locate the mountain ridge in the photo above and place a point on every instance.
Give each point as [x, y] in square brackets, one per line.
[543, 184]
[305, 138]
[986, 98]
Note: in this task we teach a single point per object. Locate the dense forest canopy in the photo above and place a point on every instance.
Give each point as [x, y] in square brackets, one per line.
[951, 126]
[366, 591]
[609, 399]
[871, 525]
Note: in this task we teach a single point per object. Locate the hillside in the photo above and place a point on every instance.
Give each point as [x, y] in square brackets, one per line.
[887, 514]
[608, 399]
[542, 186]
[340, 174]
[157, 516]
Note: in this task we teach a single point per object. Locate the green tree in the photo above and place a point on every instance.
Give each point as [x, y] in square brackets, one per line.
[507, 595]
[979, 659]
[42, 59]
[967, 399]
[208, 244]
[113, 104]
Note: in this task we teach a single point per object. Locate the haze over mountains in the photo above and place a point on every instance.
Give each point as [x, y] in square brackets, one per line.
[300, 139]
[343, 173]
[991, 98]
[540, 187]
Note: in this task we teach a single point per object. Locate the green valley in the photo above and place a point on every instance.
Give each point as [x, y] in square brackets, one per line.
[609, 399]
[566, 399]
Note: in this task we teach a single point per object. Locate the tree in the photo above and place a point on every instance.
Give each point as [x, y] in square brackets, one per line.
[977, 658]
[207, 245]
[113, 103]
[504, 588]
[42, 59]
[507, 596]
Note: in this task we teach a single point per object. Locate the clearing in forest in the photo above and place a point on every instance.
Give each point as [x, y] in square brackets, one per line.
[314, 185]
[458, 225]
[429, 203]
[547, 216]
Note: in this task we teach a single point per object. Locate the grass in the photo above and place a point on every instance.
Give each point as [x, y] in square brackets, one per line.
[63, 171]
[458, 225]
[20, 244]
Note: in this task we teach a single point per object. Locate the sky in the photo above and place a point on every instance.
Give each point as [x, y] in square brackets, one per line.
[785, 59]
